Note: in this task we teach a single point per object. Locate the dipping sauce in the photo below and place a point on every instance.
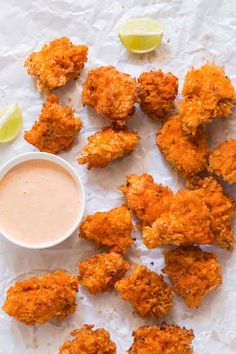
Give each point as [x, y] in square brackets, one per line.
[39, 202]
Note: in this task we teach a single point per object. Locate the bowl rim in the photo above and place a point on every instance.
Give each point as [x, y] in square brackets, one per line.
[8, 165]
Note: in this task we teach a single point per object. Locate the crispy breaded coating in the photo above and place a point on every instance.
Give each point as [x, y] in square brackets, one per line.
[101, 272]
[208, 93]
[157, 92]
[188, 154]
[166, 339]
[222, 161]
[38, 300]
[146, 199]
[111, 93]
[200, 216]
[110, 228]
[146, 291]
[56, 63]
[187, 221]
[222, 208]
[107, 145]
[193, 273]
[56, 128]
[89, 341]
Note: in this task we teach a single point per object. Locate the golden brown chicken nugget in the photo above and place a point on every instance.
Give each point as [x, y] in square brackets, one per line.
[166, 339]
[101, 272]
[89, 341]
[193, 273]
[157, 92]
[111, 93]
[188, 154]
[146, 199]
[110, 228]
[200, 216]
[208, 93]
[56, 128]
[222, 161]
[146, 291]
[38, 300]
[57, 63]
[107, 145]
[222, 208]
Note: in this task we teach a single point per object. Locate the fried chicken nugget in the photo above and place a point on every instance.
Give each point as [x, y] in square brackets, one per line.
[146, 291]
[208, 93]
[167, 339]
[157, 92]
[57, 63]
[56, 128]
[222, 161]
[38, 300]
[111, 93]
[188, 154]
[89, 341]
[200, 216]
[101, 272]
[146, 199]
[193, 273]
[110, 228]
[107, 145]
[222, 208]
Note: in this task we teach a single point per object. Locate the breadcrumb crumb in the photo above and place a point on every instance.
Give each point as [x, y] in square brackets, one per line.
[56, 128]
[56, 63]
[193, 273]
[110, 228]
[38, 300]
[146, 291]
[101, 272]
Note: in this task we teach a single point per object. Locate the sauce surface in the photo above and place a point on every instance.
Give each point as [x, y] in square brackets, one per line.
[39, 202]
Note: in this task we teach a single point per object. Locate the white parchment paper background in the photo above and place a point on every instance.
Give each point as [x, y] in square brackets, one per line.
[194, 31]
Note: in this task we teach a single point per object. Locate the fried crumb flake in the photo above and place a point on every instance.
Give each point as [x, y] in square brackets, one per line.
[110, 228]
[146, 291]
[57, 63]
[89, 341]
[38, 300]
[200, 216]
[208, 93]
[157, 92]
[111, 93]
[101, 272]
[56, 128]
[166, 339]
[222, 161]
[146, 199]
[107, 145]
[193, 273]
[188, 154]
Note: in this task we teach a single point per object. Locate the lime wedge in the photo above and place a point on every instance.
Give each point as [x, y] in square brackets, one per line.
[10, 123]
[140, 35]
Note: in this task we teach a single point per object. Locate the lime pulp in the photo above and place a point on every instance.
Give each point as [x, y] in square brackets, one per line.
[10, 123]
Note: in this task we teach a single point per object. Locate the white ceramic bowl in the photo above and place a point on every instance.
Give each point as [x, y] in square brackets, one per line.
[59, 161]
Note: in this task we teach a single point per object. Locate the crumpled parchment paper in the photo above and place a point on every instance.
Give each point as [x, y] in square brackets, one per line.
[194, 32]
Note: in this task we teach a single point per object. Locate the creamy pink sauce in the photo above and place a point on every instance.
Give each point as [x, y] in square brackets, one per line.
[39, 202]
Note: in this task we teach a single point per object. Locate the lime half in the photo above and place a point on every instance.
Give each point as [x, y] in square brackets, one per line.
[10, 123]
[140, 35]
